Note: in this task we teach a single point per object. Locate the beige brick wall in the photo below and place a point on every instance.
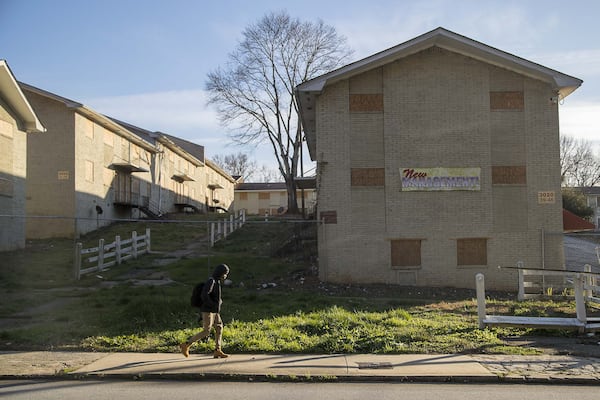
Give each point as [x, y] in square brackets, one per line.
[13, 170]
[436, 113]
[51, 170]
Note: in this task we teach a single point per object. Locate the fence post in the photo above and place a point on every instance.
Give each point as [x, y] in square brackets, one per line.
[118, 249]
[225, 229]
[521, 295]
[77, 263]
[480, 288]
[134, 243]
[148, 241]
[212, 234]
[100, 254]
[579, 300]
[231, 224]
[243, 216]
[587, 280]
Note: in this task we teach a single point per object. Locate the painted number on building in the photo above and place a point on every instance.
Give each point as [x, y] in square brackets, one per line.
[63, 175]
[546, 198]
[440, 179]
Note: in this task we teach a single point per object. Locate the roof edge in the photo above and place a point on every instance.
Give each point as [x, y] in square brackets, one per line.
[17, 101]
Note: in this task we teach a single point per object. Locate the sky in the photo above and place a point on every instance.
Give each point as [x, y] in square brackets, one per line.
[146, 61]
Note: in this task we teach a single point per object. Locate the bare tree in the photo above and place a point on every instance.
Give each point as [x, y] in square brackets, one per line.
[254, 94]
[236, 164]
[578, 163]
[266, 174]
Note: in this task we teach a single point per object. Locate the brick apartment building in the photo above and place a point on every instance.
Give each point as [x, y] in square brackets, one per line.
[436, 159]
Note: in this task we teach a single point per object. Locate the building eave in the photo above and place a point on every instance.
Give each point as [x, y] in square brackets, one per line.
[307, 92]
[13, 95]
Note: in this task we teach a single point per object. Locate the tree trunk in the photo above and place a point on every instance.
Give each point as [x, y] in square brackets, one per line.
[290, 185]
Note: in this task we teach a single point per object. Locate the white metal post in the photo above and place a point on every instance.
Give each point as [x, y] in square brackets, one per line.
[579, 300]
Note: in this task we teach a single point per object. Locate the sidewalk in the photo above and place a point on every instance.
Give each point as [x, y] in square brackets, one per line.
[322, 368]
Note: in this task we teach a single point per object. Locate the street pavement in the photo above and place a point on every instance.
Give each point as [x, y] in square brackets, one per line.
[456, 368]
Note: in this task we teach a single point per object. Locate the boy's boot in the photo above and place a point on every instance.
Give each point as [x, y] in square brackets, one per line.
[185, 349]
[219, 354]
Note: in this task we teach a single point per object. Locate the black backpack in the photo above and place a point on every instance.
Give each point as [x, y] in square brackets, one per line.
[196, 299]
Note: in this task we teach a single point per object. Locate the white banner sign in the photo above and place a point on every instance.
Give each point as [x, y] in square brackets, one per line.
[440, 179]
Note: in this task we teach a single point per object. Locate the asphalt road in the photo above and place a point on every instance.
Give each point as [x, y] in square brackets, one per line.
[581, 250]
[183, 390]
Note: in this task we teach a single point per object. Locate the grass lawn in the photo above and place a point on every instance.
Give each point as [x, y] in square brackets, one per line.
[274, 304]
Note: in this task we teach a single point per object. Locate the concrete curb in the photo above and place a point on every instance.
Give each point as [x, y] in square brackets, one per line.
[405, 368]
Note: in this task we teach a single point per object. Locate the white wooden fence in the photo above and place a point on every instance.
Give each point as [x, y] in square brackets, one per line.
[107, 255]
[585, 290]
[531, 289]
[221, 229]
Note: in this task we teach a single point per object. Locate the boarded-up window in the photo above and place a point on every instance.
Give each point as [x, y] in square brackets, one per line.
[368, 177]
[89, 171]
[471, 251]
[507, 101]
[406, 252]
[243, 196]
[366, 102]
[109, 138]
[264, 196]
[328, 217]
[509, 175]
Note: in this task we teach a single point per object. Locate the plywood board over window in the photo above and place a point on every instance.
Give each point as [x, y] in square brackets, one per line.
[471, 251]
[507, 101]
[366, 102]
[406, 252]
[509, 175]
[367, 177]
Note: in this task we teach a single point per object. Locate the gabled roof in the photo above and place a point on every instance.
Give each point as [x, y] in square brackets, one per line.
[212, 165]
[14, 97]
[260, 186]
[98, 118]
[573, 223]
[307, 92]
[194, 149]
[188, 150]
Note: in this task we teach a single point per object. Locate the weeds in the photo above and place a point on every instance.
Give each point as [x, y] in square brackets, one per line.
[288, 317]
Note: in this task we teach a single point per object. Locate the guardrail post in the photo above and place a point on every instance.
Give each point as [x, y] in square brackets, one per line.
[134, 243]
[118, 249]
[77, 262]
[480, 289]
[100, 254]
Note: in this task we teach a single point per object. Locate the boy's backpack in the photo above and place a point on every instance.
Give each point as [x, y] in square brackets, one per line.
[196, 299]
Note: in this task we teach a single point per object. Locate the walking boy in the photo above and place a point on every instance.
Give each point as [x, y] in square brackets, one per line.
[210, 309]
